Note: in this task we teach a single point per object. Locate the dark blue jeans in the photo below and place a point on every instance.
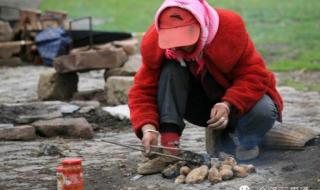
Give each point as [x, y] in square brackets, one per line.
[182, 96]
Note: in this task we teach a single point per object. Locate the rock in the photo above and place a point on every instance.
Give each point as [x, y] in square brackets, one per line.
[24, 119]
[130, 68]
[68, 109]
[95, 95]
[130, 46]
[117, 89]
[82, 59]
[6, 125]
[72, 127]
[6, 32]
[8, 52]
[12, 61]
[25, 132]
[55, 86]
[49, 150]
[86, 109]
[121, 112]
[94, 104]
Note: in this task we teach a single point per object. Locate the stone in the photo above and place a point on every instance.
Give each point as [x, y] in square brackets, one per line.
[23, 133]
[6, 32]
[130, 46]
[94, 104]
[24, 119]
[12, 61]
[117, 88]
[120, 112]
[71, 127]
[92, 95]
[68, 109]
[130, 68]
[49, 150]
[6, 125]
[84, 59]
[55, 86]
[86, 109]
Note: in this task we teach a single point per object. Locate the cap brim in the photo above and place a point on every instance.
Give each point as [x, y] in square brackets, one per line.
[177, 37]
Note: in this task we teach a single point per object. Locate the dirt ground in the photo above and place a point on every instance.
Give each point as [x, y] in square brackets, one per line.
[110, 167]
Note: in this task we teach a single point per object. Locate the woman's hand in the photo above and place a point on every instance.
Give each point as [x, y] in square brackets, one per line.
[219, 116]
[150, 137]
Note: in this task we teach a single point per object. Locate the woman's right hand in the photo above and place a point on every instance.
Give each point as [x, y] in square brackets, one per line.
[150, 137]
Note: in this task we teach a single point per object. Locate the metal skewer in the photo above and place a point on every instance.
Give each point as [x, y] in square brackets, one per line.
[138, 149]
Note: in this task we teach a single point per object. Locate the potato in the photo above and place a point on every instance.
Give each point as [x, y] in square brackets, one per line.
[225, 167]
[229, 161]
[214, 175]
[184, 170]
[240, 171]
[181, 179]
[215, 162]
[197, 175]
[226, 174]
[250, 168]
[170, 171]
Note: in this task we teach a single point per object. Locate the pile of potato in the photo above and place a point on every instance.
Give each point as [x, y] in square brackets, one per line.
[219, 171]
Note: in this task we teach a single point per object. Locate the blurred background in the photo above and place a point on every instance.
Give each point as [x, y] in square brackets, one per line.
[285, 32]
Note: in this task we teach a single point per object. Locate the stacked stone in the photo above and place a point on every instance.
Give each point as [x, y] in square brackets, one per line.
[120, 59]
[46, 119]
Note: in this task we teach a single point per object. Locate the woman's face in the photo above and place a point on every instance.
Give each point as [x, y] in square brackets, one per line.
[187, 49]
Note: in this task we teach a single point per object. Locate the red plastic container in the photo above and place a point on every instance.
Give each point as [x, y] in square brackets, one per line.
[72, 174]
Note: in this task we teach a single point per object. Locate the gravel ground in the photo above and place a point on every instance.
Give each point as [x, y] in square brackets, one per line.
[111, 167]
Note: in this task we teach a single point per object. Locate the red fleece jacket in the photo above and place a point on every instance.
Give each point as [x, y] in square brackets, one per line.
[231, 59]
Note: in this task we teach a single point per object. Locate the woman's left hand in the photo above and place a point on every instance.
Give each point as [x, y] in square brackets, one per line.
[219, 116]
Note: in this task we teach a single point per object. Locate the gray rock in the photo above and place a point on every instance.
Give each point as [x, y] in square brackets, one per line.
[130, 68]
[72, 127]
[67, 109]
[96, 95]
[82, 59]
[95, 104]
[6, 33]
[49, 150]
[24, 119]
[55, 86]
[12, 61]
[6, 125]
[86, 109]
[117, 88]
[130, 46]
[18, 133]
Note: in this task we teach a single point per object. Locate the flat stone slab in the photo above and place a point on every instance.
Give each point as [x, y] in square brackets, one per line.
[84, 59]
[22, 133]
[23, 119]
[70, 127]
